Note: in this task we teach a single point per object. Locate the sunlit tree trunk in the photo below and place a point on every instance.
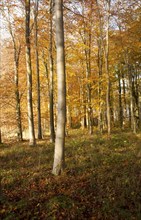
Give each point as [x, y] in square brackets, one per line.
[61, 117]
[32, 141]
[52, 130]
[37, 70]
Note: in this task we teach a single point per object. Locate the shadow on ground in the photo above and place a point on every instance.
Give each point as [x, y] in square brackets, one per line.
[102, 179]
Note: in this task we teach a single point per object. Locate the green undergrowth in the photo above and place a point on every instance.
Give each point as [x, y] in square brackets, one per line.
[102, 179]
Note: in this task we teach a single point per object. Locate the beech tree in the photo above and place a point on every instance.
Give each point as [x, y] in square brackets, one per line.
[100, 63]
[108, 103]
[37, 69]
[61, 110]
[32, 141]
[51, 72]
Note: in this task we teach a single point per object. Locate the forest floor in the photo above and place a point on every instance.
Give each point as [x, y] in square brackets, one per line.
[102, 179]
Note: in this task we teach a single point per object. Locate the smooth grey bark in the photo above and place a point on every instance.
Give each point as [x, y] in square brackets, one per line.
[61, 117]
[37, 70]
[51, 101]
[107, 69]
[32, 141]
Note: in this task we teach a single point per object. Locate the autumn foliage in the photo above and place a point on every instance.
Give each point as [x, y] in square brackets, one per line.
[98, 110]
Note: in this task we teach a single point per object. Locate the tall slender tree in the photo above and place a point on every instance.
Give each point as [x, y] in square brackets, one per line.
[108, 3]
[61, 117]
[37, 70]
[120, 99]
[100, 64]
[52, 130]
[32, 141]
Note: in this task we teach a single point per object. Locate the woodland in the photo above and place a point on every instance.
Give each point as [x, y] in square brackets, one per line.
[70, 109]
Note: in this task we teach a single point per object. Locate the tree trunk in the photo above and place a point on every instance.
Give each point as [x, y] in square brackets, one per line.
[124, 99]
[87, 43]
[100, 122]
[17, 51]
[100, 65]
[61, 118]
[84, 112]
[120, 101]
[107, 71]
[18, 107]
[132, 102]
[69, 118]
[51, 101]
[37, 71]
[136, 97]
[32, 141]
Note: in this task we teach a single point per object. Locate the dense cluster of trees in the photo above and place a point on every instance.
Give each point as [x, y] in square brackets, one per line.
[98, 74]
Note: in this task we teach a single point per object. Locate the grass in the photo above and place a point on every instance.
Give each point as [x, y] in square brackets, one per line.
[102, 179]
